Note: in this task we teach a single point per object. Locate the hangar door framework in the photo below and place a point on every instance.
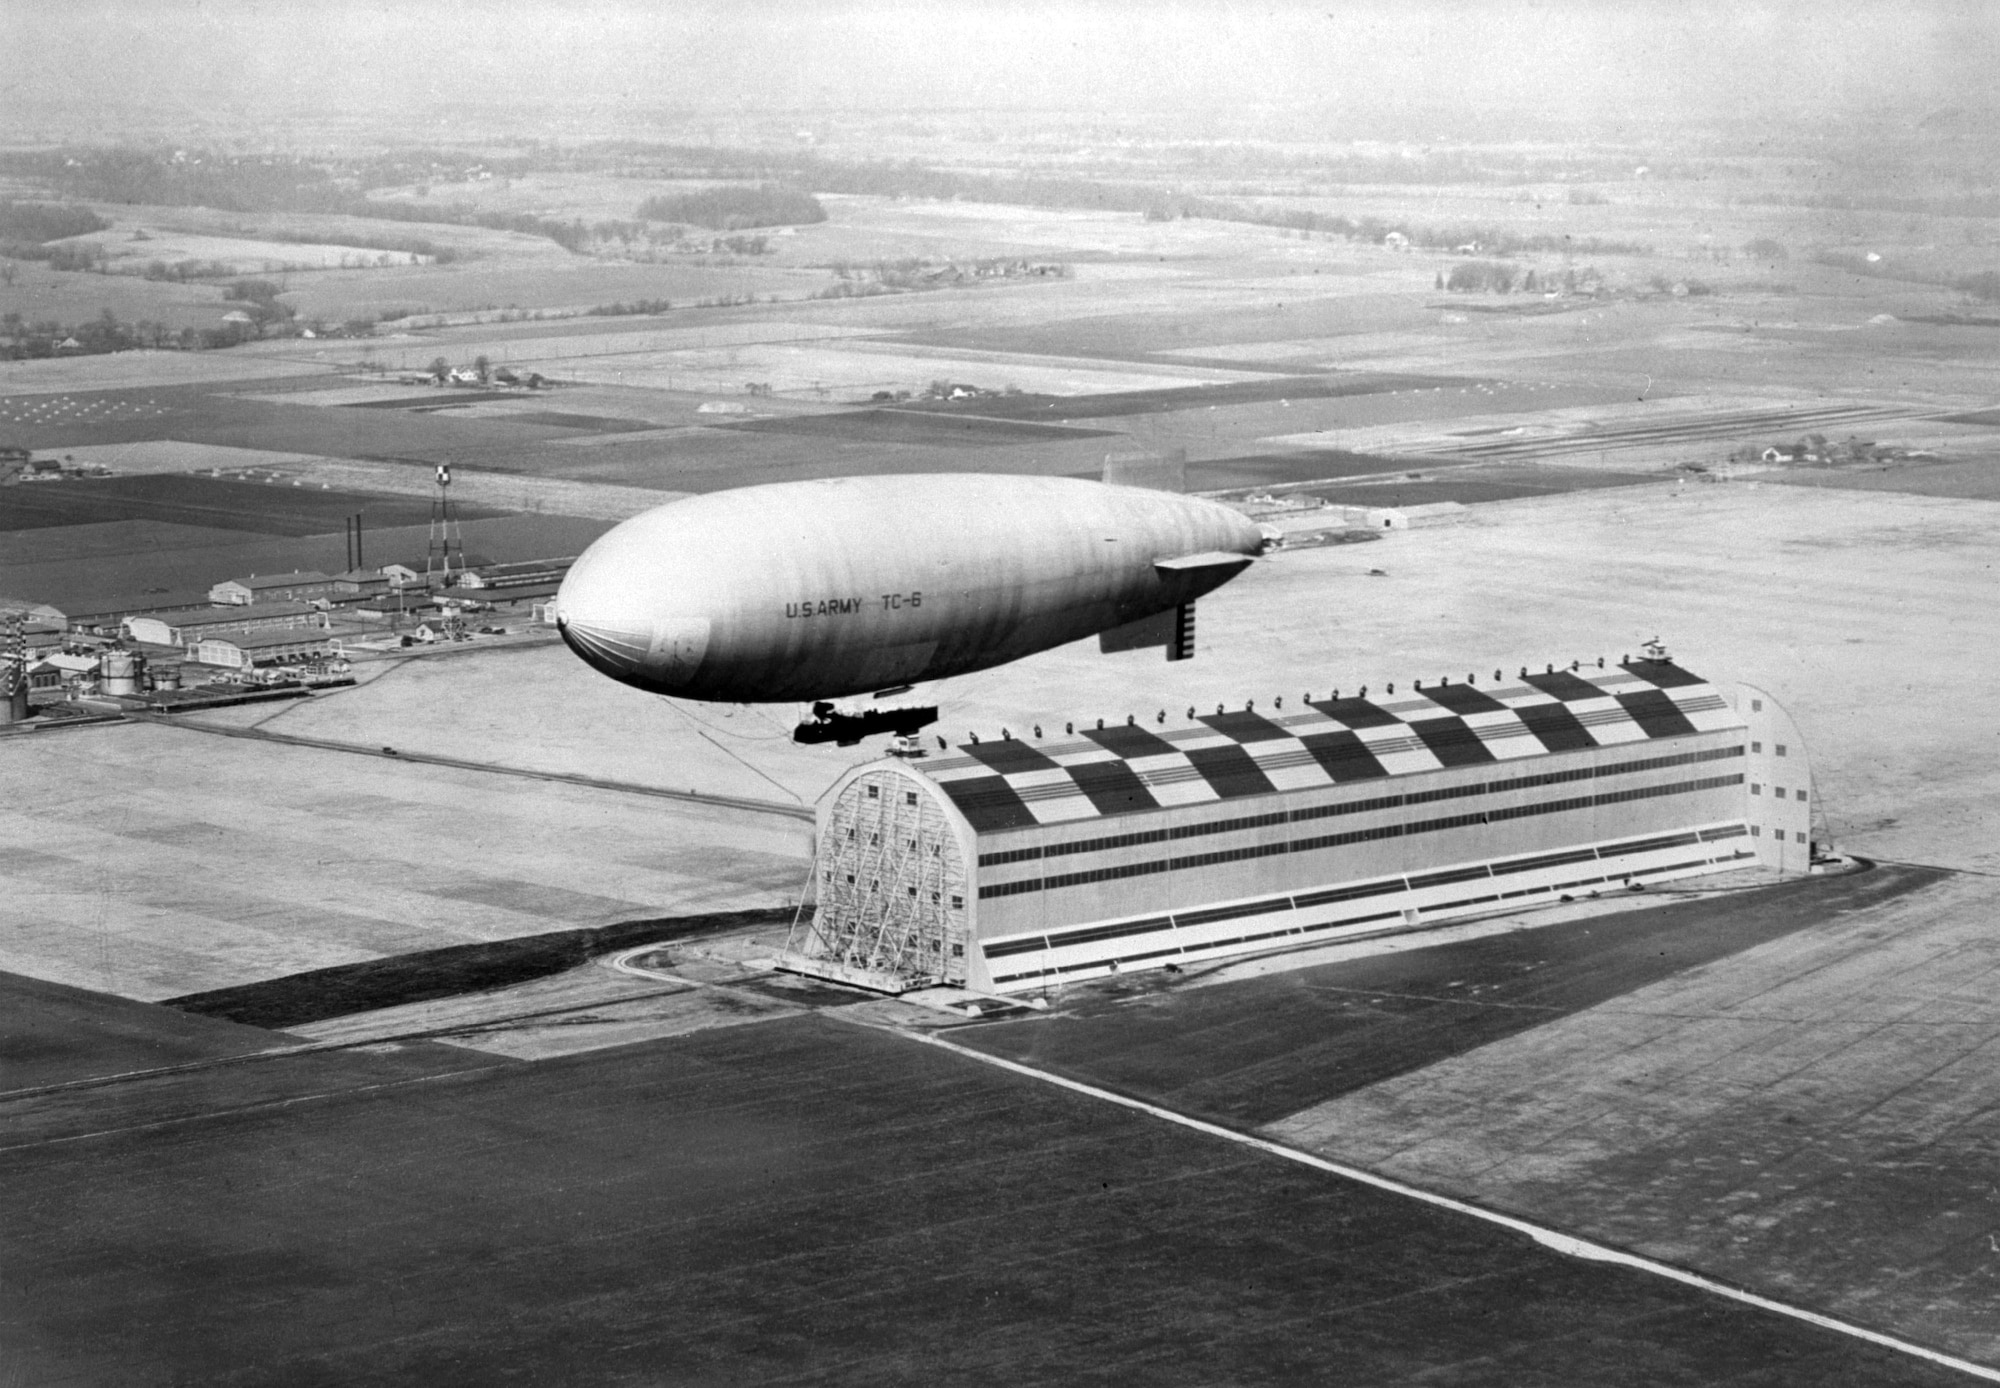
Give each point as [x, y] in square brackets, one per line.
[889, 884]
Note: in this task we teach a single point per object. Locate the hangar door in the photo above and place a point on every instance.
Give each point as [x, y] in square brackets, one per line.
[890, 886]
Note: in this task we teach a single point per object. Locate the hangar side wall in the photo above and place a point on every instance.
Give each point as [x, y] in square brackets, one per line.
[1054, 875]
[1060, 902]
[1367, 906]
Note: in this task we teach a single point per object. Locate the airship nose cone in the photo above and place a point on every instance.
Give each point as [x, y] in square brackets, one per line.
[618, 610]
[601, 614]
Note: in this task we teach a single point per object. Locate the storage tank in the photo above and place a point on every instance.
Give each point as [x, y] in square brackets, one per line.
[122, 673]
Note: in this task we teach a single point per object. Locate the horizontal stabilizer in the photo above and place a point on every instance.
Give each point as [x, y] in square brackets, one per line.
[1208, 559]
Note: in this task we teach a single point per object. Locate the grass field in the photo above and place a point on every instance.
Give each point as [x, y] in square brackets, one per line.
[121, 561]
[332, 860]
[845, 1207]
[261, 508]
[574, 284]
[125, 254]
[70, 297]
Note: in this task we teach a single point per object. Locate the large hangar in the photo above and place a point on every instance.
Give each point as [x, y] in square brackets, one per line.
[1012, 865]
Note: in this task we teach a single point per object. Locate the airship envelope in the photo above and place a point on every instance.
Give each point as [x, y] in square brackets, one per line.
[826, 589]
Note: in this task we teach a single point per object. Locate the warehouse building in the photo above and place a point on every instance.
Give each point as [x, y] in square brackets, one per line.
[1012, 865]
[189, 628]
[249, 649]
[299, 586]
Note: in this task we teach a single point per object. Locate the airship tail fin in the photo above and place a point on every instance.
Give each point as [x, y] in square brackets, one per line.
[1182, 646]
[1172, 629]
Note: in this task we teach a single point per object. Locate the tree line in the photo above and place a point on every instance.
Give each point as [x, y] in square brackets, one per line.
[22, 339]
[257, 184]
[735, 207]
[27, 227]
[810, 173]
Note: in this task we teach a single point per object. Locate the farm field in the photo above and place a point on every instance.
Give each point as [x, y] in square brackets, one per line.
[126, 254]
[570, 286]
[1268, 359]
[39, 293]
[284, 228]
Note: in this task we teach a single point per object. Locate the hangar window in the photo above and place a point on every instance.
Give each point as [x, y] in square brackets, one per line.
[1779, 749]
[1778, 791]
[1801, 795]
[909, 797]
[850, 879]
[1756, 789]
[874, 792]
[957, 902]
[958, 950]
[1756, 705]
[913, 893]
[1756, 832]
[1799, 837]
[1756, 746]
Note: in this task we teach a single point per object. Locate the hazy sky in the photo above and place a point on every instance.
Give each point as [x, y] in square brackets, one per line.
[1561, 57]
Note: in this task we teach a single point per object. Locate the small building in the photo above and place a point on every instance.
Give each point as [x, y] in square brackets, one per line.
[260, 648]
[153, 631]
[188, 628]
[523, 574]
[394, 603]
[106, 618]
[1010, 865]
[60, 672]
[195, 673]
[359, 583]
[1405, 517]
[34, 613]
[299, 586]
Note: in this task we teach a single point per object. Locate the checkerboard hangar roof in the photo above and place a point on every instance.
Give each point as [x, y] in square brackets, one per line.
[1130, 769]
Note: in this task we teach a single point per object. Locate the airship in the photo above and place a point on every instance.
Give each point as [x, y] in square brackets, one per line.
[820, 590]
